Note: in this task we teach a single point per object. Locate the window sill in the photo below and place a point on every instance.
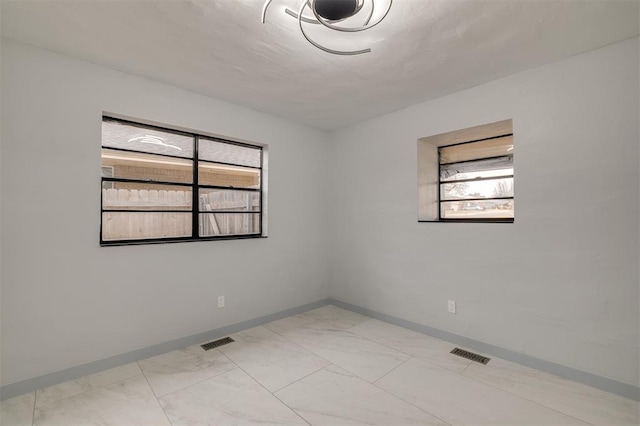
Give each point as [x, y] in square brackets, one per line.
[468, 221]
[177, 240]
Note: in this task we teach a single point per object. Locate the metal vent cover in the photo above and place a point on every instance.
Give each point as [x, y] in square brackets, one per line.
[470, 355]
[217, 343]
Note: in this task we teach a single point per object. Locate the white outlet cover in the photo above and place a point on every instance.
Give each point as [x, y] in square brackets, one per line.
[452, 306]
[220, 301]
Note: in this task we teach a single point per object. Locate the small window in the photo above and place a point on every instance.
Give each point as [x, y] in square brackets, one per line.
[163, 185]
[467, 175]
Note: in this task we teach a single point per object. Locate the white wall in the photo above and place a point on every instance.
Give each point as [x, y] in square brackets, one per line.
[561, 283]
[65, 300]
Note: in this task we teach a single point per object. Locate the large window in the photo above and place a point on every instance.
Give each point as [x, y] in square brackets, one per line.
[467, 175]
[162, 185]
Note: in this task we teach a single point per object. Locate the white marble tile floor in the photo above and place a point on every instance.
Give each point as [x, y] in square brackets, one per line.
[327, 366]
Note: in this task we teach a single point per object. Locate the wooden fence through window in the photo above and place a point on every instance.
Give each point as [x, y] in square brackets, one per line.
[140, 224]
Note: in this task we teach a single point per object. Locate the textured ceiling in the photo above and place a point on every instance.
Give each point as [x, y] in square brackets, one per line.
[422, 50]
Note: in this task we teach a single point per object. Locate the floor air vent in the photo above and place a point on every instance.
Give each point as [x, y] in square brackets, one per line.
[470, 355]
[216, 343]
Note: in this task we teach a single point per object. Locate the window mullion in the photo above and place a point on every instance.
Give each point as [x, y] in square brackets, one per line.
[482, 179]
[261, 190]
[439, 187]
[195, 203]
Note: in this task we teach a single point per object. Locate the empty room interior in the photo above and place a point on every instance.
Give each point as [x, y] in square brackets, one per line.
[323, 212]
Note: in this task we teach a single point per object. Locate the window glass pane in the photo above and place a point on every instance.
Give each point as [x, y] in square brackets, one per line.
[221, 152]
[144, 225]
[222, 199]
[131, 165]
[460, 171]
[231, 176]
[139, 138]
[492, 188]
[107, 171]
[216, 224]
[489, 209]
[140, 196]
[477, 150]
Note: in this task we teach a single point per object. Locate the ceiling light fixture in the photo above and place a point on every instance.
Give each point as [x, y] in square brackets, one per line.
[329, 13]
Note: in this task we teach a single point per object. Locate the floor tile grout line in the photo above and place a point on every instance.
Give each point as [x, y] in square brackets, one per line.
[403, 328]
[407, 353]
[465, 368]
[154, 393]
[84, 391]
[415, 406]
[275, 396]
[291, 329]
[303, 377]
[357, 376]
[523, 397]
[392, 370]
[478, 381]
[292, 410]
[102, 387]
[329, 364]
[314, 320]
[460, 373]
[375, 341]
[346, 330]
[87, 390]
[203, 380]
[358, 335]
[306, 349]
[382, 344]
[273, 393]
[284, 340]
[396, 396]
[299, 346]
[33, 416]
[408, 402]
[526, 399]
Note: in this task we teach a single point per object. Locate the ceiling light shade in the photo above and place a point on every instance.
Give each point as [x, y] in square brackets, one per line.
[331, 14]
[335, 10]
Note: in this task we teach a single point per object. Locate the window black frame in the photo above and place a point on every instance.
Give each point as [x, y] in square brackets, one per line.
[441, 182]
[195, 187]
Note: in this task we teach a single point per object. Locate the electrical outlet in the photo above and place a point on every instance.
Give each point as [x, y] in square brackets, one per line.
[452, 306]
[220, 301]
